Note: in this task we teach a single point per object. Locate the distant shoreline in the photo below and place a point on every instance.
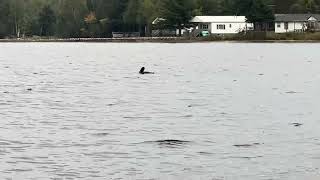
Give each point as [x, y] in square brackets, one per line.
[153, 40]
[102, 40]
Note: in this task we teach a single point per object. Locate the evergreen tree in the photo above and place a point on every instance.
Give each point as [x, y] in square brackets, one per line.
[208, 7]
[256, 11]
[133, 18]
[5, 18]
[70, 18]
[47, 19]
[177, 13]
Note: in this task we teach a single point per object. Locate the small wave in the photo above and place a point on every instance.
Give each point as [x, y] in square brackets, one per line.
[100, 134]
[205, 153]
[170, 143]
[243, 157]
[187, 116]
[292, 92]
[297, 124]
[108, 154]
[135, 117]
[246, 145]
[20, 170]
[197, 105]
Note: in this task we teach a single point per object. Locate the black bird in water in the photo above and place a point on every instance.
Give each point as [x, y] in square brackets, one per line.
[142, 71]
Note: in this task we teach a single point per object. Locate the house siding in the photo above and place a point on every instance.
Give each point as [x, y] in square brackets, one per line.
[292, 27]
[232, 24]
[235, 28]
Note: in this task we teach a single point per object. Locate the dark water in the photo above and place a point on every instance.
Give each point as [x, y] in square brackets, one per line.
[216, 111]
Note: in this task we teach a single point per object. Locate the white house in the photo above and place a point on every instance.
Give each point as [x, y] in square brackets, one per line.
[296, 22]
[222, 24]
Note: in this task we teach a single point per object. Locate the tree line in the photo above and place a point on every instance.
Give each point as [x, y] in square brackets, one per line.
[99, 18]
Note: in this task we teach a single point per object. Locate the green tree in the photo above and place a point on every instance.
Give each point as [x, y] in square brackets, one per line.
[47, 19]
[5, 18]
[208, 7]
[70, 17]
[304, 6]
[297, 8]
[310, 5]
[150, 11]
[177, 13]
[133, 17]
[281, 6]
[99, 18]
[256, 11]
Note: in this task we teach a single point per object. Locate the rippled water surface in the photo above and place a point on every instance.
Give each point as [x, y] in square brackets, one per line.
[212, 111]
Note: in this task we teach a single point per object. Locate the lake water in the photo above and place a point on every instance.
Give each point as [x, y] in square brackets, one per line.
[212, 111]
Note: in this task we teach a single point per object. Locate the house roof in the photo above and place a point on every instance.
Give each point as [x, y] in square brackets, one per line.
[296, 17]
[158, 20]
[218, 19]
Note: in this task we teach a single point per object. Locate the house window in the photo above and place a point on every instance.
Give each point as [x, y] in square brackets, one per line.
[279, 25]
[204, 26]
[286, 25]
[221, 26]
[230, 25]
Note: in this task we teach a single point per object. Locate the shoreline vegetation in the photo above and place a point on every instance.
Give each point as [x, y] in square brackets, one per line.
[103, 18]
[248, 37]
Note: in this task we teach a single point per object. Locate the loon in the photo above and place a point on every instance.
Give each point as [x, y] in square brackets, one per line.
[144, 72]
